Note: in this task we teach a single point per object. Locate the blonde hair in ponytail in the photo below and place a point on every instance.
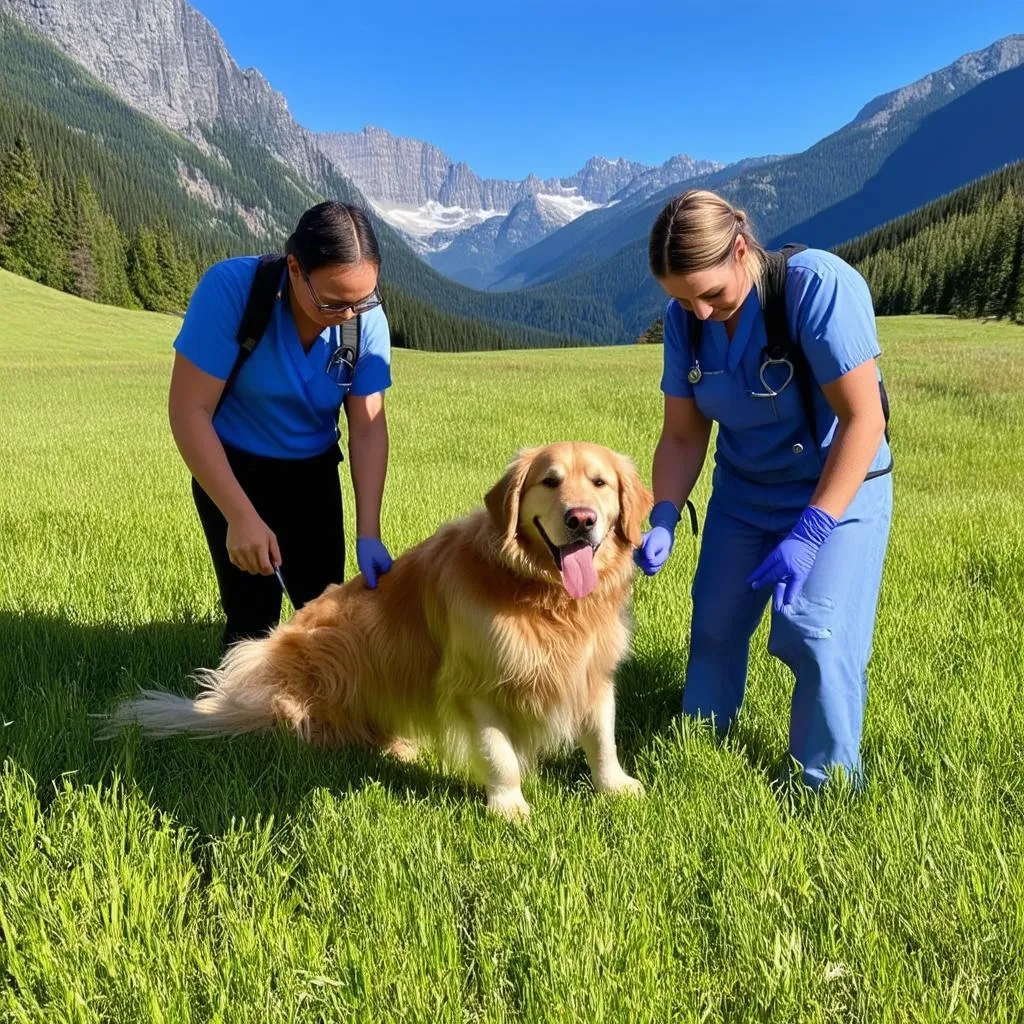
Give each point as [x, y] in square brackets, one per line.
[698, 230]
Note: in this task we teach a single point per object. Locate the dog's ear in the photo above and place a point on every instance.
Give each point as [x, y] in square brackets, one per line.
[635, 500]
[502, 500]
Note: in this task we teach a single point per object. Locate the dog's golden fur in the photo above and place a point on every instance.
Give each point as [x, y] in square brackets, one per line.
[471, 642]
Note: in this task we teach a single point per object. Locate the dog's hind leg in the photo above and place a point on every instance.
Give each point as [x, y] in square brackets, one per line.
[497, 763]
[597, 739]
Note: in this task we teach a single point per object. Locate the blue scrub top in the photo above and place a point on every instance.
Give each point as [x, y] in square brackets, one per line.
[282, 403]
[767, 440]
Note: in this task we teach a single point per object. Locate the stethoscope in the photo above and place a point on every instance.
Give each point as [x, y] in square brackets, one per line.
[695, 374]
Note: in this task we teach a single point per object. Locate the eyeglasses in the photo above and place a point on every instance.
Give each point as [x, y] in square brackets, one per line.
[362, 306]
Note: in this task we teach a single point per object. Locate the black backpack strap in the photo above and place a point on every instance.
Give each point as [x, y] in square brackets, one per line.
[351, 340]
[772, 292]
[258, 308]
[781, 344]
[693, 330]
[351, 337]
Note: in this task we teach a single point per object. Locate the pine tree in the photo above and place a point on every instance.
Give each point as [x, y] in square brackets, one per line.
[85, 272]
[65, 228]
[27, 243]
[174, 271]
[1008, 259]
[144, 272]
[1017, 312]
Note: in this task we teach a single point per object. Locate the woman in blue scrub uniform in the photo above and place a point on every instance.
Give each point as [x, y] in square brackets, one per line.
[799, 519]
[265, 462]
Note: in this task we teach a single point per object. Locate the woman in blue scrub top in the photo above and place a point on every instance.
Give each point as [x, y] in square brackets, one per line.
[265, 464]
[801, 520]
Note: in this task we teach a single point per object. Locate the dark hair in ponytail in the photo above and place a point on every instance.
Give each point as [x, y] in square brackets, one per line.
[333, 234]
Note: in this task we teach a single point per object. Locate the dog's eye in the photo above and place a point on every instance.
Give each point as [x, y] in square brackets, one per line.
[598, 482]
[551, 481]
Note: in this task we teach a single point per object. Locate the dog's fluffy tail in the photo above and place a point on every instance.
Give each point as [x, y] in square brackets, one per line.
[238, 697]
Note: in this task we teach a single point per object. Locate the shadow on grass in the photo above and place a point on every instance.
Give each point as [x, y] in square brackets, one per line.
[56, 675]
[649, 699]
[649, 703]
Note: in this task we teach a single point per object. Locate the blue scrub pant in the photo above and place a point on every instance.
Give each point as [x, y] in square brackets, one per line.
[825, 639]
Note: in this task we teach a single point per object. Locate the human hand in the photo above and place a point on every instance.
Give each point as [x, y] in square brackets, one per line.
[656, 544]
[373, 559]
[789, 564]
[252, 545]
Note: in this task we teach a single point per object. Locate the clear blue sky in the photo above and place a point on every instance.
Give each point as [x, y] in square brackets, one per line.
[518, 87]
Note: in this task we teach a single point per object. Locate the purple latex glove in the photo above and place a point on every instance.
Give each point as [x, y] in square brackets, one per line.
[789, 564]
[373, 559]
[656, 544]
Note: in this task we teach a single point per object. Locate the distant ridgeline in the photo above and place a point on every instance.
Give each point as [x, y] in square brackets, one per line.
[119, 210]
[962, 255]
[102, 201]
[53, 229]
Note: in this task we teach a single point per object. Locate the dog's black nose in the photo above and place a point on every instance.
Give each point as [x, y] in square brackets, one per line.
[580, 518]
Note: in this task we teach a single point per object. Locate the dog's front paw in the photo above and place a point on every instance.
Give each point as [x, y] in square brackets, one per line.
[402, 749]
[509, 805]
[622, 785]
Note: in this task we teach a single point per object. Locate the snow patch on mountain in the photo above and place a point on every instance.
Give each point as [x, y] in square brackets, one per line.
[422, 222]
[566, 206]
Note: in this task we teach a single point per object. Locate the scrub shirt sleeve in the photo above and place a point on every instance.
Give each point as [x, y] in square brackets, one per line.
[373, 367]
[676, 358]
[207, 336]
[833, 318]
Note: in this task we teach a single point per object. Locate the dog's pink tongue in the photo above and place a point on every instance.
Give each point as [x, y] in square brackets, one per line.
[578, 575]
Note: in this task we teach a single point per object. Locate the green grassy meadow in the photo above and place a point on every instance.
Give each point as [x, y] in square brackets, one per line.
[257, 880]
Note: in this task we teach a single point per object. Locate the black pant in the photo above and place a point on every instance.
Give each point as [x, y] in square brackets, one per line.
[300, 500]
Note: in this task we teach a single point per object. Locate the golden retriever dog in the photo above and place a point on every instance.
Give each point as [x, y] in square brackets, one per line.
[495, 640]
